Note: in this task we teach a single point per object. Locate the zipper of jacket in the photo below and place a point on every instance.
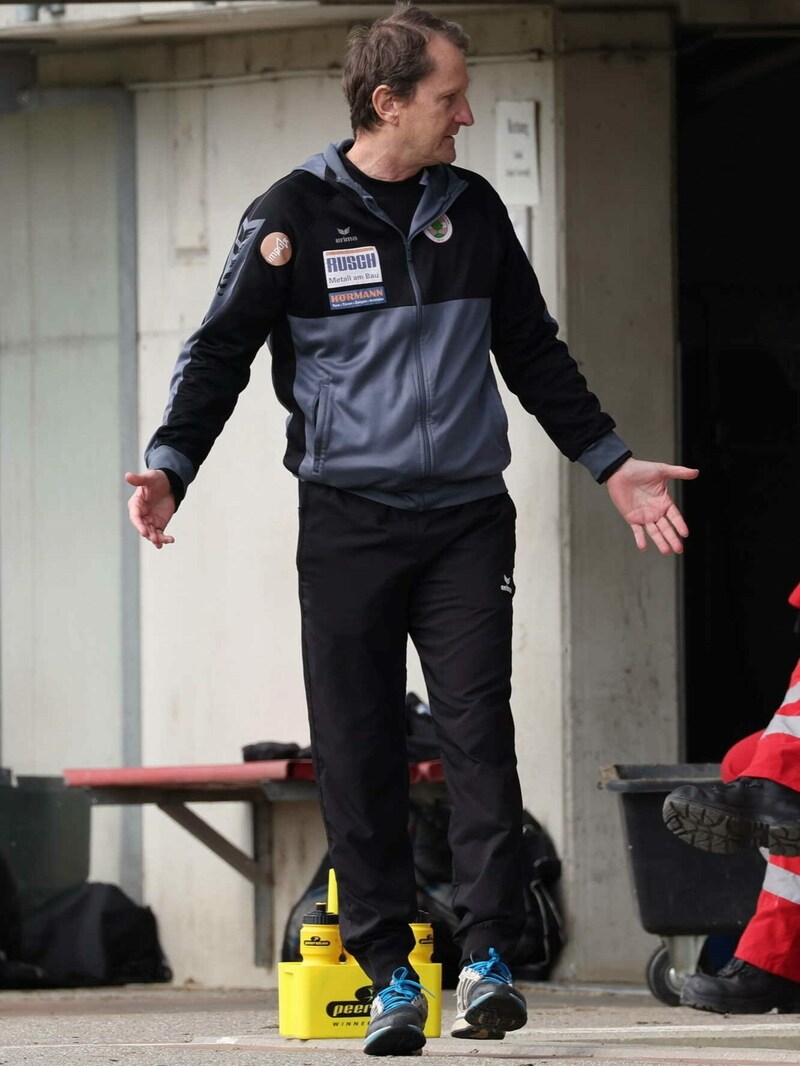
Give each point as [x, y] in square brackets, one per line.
[427, 434]
[427, 443]
[427, 438]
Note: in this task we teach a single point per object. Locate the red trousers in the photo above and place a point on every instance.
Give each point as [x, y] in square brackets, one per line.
[771, 939]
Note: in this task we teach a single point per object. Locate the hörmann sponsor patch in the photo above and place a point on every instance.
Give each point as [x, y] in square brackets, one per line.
[367, 297]
[276, 248]
[356, 266]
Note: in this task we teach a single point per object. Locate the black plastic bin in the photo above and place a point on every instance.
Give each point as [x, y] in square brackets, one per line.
[684, 895]
[44, 837]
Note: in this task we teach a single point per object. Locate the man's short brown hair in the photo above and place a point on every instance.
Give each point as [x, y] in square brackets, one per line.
[393, 52]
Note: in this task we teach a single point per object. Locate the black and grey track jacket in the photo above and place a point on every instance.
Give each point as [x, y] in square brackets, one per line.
[380, 342]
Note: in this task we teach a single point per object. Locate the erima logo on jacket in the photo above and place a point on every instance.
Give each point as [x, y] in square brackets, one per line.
[345, 236]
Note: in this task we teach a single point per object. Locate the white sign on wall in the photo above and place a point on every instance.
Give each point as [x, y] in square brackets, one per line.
[517, 152]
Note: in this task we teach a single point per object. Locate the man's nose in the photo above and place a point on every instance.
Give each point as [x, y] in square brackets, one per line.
[464, 117]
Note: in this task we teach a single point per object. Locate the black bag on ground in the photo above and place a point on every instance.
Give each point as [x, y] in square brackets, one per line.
[10, 917]
[543, 936]
[13, 974]
[94, 935]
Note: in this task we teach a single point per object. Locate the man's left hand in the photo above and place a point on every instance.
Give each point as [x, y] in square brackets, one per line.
[638, 490]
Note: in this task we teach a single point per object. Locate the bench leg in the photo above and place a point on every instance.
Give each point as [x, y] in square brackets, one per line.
[264, 917]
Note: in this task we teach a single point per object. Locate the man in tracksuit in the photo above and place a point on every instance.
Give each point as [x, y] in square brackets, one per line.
[381, 276]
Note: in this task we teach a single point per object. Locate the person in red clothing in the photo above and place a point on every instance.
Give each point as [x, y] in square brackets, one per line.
[757, 805]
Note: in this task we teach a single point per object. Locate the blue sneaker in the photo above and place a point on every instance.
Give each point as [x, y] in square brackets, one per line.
[487, 1004]
[398, 1016]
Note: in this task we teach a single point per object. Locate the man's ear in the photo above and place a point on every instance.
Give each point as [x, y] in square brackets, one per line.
[386, 105]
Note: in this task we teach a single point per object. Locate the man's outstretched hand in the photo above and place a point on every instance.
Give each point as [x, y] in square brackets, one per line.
[638, 490]
[151, 506]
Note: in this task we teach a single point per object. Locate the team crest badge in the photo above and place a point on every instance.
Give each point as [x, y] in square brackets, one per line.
[439, 231]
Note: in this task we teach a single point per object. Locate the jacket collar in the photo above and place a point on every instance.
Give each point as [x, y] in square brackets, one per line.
[443, 185]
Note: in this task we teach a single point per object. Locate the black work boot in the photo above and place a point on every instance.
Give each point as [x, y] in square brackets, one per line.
[750, 812]
[741, 988]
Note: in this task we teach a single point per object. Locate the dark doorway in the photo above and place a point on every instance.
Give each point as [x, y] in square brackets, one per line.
[739, 272]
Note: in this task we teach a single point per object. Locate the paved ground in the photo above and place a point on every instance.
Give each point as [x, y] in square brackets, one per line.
[569, 1026]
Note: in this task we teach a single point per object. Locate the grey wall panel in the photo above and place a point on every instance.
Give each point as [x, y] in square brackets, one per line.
[65, 406]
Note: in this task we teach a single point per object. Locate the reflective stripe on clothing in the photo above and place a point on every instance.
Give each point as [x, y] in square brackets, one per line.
[772, 937]
[784, 723]
[791, 699]
[771, 940]
[776, 755]
[782, 883]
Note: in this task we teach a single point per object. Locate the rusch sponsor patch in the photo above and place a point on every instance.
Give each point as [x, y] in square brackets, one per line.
[367, 297]
[355, 266]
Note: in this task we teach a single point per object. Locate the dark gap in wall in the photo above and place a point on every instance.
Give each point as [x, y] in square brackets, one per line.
[739, 277]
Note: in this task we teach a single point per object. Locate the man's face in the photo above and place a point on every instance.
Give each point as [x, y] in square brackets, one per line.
[429, 121]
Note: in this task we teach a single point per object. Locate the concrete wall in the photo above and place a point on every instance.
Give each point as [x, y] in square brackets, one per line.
[62, 606]
[620, 608]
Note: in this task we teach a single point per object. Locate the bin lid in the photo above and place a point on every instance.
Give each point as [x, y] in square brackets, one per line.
[656, 777]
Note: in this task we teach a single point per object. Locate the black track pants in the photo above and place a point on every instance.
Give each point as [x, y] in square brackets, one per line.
[370, 577]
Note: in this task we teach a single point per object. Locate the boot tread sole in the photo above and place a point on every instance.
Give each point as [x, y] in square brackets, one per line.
[725, 834]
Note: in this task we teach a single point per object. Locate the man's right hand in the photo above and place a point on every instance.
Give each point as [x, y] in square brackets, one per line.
[151, 506]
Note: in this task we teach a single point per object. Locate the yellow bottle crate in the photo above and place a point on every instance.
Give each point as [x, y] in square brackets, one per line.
[323, 997]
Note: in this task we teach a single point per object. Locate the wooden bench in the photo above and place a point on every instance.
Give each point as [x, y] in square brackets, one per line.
[261, 784]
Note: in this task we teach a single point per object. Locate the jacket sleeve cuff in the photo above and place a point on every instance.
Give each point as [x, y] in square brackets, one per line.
[175, 483]
[175, 465]
[605, 456]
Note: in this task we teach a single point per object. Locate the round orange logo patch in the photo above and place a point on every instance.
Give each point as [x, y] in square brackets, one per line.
[276, 249]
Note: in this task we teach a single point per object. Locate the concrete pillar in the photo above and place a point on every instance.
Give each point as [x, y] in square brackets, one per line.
[614, 96]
